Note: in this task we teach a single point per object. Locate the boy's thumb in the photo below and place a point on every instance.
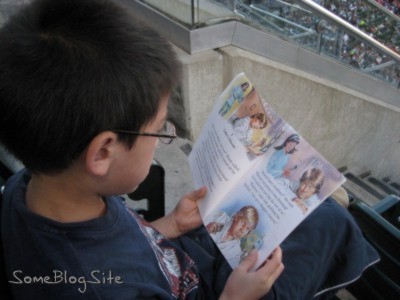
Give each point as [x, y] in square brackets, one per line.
[249, 261]
[201, 192]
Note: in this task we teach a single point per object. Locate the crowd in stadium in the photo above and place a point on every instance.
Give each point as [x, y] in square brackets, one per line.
[369, 19]
[392, 5]
[365, 16]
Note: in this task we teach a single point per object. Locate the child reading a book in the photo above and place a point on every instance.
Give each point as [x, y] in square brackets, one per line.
[86, 88]
[228, 230]
[84, 92]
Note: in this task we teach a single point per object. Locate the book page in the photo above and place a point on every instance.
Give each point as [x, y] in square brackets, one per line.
[270, 208]
[263, 177]
[216, 159]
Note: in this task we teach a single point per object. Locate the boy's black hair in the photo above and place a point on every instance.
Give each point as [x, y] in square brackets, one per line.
[70, 69]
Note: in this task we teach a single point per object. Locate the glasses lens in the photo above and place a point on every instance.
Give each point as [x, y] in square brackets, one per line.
[168, 129]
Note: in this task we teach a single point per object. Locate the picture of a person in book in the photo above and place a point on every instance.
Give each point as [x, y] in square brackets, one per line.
[250, 105]
[227, 231]
[277, 163]
[244, 128]
[236, 95]
[235, 116]
[306, 189]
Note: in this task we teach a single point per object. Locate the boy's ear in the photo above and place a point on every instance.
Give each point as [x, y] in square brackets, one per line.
[100, 153]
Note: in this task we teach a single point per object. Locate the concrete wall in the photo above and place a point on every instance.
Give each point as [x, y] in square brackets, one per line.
[202, 81]
[347, 127]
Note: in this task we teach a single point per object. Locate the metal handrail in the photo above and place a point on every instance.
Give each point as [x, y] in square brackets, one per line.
[316, 8]
[282, 19]
[384, 9]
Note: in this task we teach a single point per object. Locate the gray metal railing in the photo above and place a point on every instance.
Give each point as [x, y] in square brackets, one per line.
[301, 22]
[311, 26]
[334, 19]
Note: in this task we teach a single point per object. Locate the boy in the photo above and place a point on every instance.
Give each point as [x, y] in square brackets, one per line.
[304, 192]
[227, 231]
[84, 92]
[307, 188]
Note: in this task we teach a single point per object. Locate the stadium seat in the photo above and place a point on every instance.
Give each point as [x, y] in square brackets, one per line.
[152, 189]
[380, 225]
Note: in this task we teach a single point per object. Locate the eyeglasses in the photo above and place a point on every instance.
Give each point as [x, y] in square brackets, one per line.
[166, 134]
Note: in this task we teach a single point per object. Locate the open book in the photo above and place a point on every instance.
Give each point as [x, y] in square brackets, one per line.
[262, 177]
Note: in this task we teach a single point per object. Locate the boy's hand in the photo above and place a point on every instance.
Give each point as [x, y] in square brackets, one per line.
[183, 218]
[246, 284]
[186, 214]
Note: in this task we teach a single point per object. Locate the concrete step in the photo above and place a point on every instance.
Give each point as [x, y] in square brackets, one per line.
[395, 185]
[360, 189]
[383, 186]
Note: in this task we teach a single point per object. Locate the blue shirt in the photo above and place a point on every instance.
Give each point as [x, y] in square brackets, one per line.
[119, 256]
[116, 256]
[277, 163]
